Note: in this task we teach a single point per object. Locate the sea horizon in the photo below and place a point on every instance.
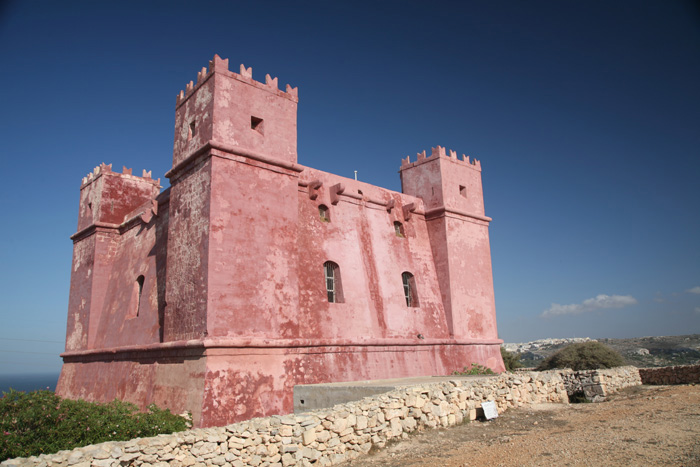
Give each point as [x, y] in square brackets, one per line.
[29, 381]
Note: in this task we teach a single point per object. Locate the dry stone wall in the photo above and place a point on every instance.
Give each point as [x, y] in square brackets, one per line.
[682, 374]
[596, 385]
[324, 437]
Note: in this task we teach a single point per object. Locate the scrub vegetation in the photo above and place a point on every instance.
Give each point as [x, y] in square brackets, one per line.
[511, 360]
[474, 369]
[583, 356]
[41, 422]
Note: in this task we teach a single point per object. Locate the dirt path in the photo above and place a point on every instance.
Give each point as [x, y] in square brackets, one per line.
[640, 426]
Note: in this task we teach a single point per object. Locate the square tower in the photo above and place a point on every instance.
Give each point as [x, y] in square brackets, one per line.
[454, 211]
[232, 207]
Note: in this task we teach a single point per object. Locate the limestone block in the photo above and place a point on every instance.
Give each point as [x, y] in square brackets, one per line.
[188, 461]
[308, 437]
[289, 448]
[409, 424]
[361, 422]
[104, 463]
[339, 425]
[393, 413]
[396, 427]
[323, 436]
[288, 459]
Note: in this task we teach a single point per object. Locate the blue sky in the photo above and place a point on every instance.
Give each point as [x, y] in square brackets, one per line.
[585, 116]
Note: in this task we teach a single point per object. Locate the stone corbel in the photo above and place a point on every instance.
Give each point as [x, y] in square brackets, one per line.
[313, 188]
[408, 209]
[336, 191]
[150, 212]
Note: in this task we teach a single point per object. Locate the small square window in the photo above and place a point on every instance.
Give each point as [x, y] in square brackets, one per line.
[398, 229]
[463, 191]
[256, 124]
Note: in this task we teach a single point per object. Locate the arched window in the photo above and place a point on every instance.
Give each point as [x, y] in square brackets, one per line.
[409, 289]
[398, 229]
[135, 302]
[333, 285]
[323, 213]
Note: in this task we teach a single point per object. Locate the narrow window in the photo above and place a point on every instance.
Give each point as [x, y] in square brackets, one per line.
[256, 124]
[463, 191]
[333, 287]
[192, 131]
[323, 213]
[398, 228]
[135, 303]
[409, 289]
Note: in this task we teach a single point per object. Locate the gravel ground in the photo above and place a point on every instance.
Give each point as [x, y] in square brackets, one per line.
[639, 426]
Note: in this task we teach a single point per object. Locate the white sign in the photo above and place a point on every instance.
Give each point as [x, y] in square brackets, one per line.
[490, 410]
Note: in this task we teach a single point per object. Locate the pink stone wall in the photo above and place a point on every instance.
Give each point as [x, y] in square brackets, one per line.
[188, 255]
[168, 379]
[254, 385]
[252, 282]
[233, 309]
[80, 297]
[361, 239]
[127, 319]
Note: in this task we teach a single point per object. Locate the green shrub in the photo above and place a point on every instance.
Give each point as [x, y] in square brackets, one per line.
[583, 356]
[510, 359]
[42, 422]
[474, 369]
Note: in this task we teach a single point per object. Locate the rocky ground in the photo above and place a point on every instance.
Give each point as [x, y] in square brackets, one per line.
[639, 426]
[642, 352]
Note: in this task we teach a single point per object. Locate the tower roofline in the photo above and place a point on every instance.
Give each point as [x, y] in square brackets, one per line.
[440, 152]
[219, 65]
[104, 169]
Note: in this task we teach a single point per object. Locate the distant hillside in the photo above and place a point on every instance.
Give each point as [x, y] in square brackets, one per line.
[638, 351]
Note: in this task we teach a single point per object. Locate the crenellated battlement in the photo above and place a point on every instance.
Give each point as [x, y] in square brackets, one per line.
[440, 151]
[107, 169]
[219, 65]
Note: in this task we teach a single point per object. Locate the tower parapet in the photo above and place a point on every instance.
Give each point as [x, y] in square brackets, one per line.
[219, 65]
[440, 151]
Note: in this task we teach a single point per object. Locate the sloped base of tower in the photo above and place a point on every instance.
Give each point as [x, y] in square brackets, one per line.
[221, 381]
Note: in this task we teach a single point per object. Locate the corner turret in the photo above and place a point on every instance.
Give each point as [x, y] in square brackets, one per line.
[106, 197]
[458, 227]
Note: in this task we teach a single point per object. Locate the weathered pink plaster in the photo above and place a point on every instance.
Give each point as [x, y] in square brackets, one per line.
[211, 296]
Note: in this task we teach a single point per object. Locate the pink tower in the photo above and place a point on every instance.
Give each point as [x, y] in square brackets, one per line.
[451, 190]
[252, 273]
